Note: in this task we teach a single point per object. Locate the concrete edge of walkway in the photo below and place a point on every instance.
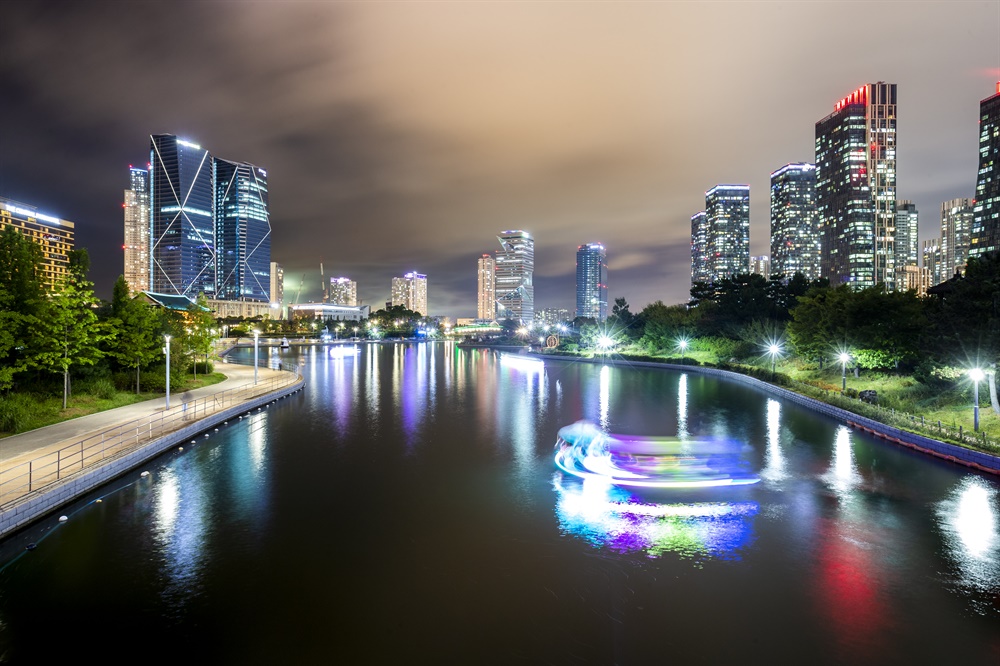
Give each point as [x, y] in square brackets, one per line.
[978, 460]
[42, 504]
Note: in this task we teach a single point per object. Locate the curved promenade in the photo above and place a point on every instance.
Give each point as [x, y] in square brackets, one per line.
[43, 469]
[979, 460]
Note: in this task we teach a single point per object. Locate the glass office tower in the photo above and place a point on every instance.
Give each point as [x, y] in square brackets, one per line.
[592, 281]
[136, 245]
[985, 236]
[515, 266]
[242, 232]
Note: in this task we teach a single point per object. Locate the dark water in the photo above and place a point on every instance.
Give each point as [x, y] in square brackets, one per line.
[405, 508]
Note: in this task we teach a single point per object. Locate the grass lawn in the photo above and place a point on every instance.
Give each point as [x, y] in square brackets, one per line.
[46, 409]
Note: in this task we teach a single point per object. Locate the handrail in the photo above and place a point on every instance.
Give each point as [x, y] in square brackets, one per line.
[42, 472]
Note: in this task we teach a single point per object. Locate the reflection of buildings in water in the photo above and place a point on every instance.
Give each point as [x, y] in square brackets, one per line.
[521, 400]
[682, 406]
[605, 395]
[611, 517]
[774, 459]
[968, 519]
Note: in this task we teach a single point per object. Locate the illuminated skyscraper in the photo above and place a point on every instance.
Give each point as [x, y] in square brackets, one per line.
[410, 291]
[182, 218]
[592, 281]
[985, 236]
[487, 275]
[515, 266]
[343, 291]
[136, 244]
[794, 227]
[54, 235]
[957, 218]
[699, 248]
[727, 212]
[856, 187]
[277, 284]
[907, 243]
[761, 265]
[931, 251]
[242, 232]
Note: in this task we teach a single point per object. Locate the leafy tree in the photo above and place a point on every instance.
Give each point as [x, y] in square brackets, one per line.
[22, 295]
[199, 334]
[663, 325]
[137, 342]
[67, 332]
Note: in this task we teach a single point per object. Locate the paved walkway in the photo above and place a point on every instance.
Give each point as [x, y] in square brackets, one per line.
[17, 448]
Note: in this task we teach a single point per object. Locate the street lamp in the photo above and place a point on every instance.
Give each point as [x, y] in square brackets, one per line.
[167, 338]
[976, 375]
[844, 358]
[683, 344]
[604, 343]
[773, 349]
[256, 336]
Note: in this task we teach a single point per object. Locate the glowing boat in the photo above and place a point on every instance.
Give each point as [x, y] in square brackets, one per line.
[584, 450]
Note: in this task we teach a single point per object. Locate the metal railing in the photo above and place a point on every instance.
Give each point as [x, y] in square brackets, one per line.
[42, 472]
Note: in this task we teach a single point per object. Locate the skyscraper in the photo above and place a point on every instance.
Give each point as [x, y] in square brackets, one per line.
[985, 235]
[957, 218]
[794, 229]
[856, 187]
[761, 265]
[592, 281]
[932, 260]
[242, 232]
[343, 291]
[727, 212]
[54, 235]
[277, 284]
[486, 277]
[136, 244]
[182, 217]
[699, 248]
[515, 266]
[907, 242]
[410, 291]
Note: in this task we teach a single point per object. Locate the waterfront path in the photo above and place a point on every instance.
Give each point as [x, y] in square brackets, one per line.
[51, 460]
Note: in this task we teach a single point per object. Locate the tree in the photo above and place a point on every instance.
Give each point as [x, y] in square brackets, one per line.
[137, 342]
[200, 329]
[67, 332]
[21, 297]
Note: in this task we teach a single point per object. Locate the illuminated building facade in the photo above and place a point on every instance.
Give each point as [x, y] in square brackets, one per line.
[699, 248]
[515, 267]
[487, 294]
[957, 218]
[985, 235]
[54, 235]
[856, 188]
[907, 243]
[795, 246]
[410, 291]
[277, 284]
[592, 281]
[552, 316]
[761, 265]
[136, 245]
[242, 232]
[182, 219]
[931, 251]
[727, 211]
[343, 291]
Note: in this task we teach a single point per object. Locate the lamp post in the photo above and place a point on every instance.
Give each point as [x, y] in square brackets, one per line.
[683, 344]
[977, 376]
[773, 350]
[256, 336]
[167, 338]
[844, 358]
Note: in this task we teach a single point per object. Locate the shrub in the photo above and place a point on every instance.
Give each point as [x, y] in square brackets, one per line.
[101, 388]
[15, 412]
[204, 367]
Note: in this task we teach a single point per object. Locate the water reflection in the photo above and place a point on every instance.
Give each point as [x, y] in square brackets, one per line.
[682, 406]
[610, 517]
[179, 528]
[605, 395]
[774, 459]
[968, 519]
[843, 475]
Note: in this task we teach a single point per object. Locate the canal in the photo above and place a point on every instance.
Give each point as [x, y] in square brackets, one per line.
[405, 507]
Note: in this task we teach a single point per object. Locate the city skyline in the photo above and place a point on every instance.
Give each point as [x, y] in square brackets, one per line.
[453, 130]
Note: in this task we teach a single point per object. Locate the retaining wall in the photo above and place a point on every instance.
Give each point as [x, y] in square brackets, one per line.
[78, 485]
[982, 461]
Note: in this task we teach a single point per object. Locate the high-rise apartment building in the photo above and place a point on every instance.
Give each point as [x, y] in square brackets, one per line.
[699, 248]
[957, 218]
[410, 291]
[277, 285]
[515, 267]
[54, 235]
[856, 187]
[907, 243]
[794, 227]
[552, 316]
[343, 291]
[727, 212]
[931, 251]
[985, 235]
[136, 245]
[761, 265]
[242, 232]
[487, 295]
[182, 217]
[592, 281]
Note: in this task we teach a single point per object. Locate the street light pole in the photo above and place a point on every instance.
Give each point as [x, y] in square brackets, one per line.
[167, 338]
[843, 377]
[773, 349]
[256, 335]
[976, 374]
[683, 344]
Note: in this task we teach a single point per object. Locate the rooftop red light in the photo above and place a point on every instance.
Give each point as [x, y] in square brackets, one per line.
[859, 96]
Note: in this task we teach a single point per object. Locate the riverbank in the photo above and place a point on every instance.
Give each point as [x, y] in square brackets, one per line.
[970, 457]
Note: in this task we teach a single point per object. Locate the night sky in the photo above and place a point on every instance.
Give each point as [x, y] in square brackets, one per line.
[404, 136]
